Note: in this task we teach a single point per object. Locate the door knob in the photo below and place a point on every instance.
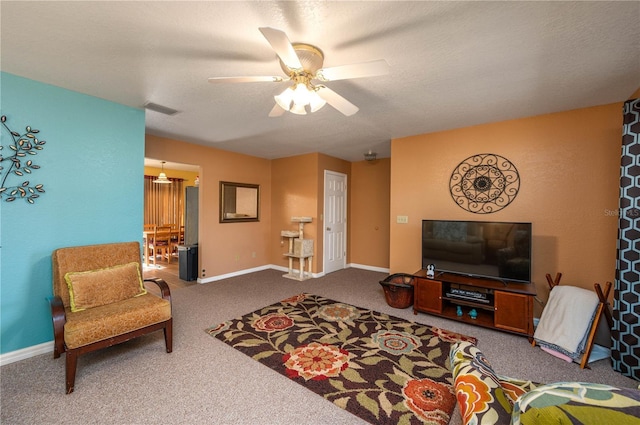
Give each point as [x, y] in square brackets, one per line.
[329, 229]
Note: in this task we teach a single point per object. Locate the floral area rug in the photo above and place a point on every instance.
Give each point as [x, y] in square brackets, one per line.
[380, 368]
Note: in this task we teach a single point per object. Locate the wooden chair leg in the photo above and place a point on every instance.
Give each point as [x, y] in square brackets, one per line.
[56, 351]
[58, 345]
[168, 336]
[71, 365]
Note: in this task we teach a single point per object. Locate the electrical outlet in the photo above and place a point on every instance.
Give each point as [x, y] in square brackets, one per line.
[402, 219]
[253, 255]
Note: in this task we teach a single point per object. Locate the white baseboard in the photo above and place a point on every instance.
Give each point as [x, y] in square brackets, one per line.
[284, 270]
[280, 268]
[598, 352]
[354, 265]
[234, 274]
[371, 268]
[25, 353]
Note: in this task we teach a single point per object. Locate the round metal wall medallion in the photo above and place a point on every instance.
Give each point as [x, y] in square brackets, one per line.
[484, 183]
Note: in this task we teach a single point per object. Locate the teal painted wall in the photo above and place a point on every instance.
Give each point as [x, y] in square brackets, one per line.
[92, 171]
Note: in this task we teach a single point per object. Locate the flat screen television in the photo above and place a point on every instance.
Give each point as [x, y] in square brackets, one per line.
[490, 249]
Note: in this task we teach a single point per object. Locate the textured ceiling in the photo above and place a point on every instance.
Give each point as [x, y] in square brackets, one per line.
[453, 64]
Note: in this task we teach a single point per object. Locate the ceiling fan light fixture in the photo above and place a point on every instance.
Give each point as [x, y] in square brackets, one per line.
[301, 94]
[298, 109]
[296, 98]
[316, 102]
[162, 177]
[285, 99]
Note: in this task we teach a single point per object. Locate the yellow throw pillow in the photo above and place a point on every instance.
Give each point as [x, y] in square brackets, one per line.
[94, 288]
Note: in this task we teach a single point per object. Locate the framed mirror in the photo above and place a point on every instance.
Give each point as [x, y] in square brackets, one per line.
[239, 202]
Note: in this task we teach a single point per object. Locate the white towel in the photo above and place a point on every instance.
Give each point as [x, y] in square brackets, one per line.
[567, 317]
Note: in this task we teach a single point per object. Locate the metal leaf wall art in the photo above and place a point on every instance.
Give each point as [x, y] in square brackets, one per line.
[484, 183]
[21, 147]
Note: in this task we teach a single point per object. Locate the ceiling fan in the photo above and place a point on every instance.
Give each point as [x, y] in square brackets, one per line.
[302, 64]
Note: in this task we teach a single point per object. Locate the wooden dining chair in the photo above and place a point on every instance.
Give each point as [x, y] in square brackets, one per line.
[177, 239]
[146, 240]
[160, 243]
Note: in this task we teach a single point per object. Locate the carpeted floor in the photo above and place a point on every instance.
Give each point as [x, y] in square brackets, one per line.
[204, 382]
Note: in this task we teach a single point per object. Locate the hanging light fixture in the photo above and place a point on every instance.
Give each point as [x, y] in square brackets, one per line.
[162, 177]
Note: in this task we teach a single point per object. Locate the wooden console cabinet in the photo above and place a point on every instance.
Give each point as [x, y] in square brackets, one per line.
[504, 307]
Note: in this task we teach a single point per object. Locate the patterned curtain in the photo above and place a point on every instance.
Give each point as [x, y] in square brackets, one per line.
[163, 203]
[625, 351]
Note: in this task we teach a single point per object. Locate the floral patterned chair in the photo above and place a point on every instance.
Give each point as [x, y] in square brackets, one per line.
[487, 398]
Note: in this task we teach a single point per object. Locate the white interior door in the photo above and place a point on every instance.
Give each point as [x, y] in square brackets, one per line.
[335, 221]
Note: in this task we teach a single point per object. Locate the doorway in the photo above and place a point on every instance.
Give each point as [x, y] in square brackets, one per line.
[335, 221]
[175, 205]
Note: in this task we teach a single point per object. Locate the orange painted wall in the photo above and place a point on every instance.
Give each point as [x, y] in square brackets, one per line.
[569, 166]
[370, 199]
[223, 247]
[298, 184]
[289, 187]
[294, 194]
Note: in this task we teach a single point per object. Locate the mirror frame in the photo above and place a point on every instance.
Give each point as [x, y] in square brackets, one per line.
[224, 186]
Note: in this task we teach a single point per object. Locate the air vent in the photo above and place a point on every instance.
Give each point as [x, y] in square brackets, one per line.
[159, 108]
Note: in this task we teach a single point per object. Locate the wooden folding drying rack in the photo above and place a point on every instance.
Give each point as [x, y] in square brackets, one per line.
[603, 307]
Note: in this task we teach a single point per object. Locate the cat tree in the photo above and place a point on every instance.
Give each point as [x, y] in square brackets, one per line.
[300, 249]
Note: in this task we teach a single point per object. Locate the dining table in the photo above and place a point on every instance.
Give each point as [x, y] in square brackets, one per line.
[147, 235]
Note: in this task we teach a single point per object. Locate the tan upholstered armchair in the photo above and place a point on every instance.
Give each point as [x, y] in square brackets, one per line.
[99, 300]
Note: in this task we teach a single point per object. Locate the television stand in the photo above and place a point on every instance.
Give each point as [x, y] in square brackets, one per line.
[506, 308]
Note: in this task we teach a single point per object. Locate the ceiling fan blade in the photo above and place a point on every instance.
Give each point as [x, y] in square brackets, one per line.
[282, 46]
[277, 111]
[356, 70]
[246, 79]
[337, 101]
